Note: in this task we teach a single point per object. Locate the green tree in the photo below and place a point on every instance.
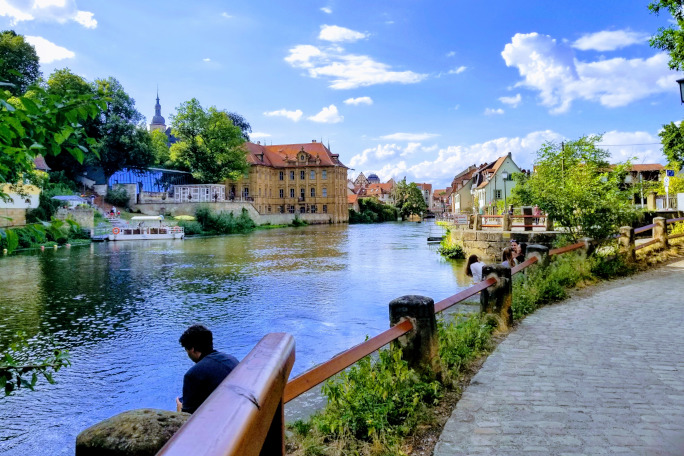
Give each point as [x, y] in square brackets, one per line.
[18, 62]
[672, 138]
[210, 145]
[241, 123]
[160, 147]
[670, 39]
[575, 185]
[408, 199]
[520, 193]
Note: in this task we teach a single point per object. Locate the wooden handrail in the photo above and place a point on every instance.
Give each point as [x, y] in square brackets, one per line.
[322, 372]
[674, 220]
[236, 418]
[462, 295]
[567, 248]
[523, 265]
[644, 228]
[646, 244]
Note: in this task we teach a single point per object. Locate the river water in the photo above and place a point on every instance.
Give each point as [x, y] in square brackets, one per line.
[119, 308]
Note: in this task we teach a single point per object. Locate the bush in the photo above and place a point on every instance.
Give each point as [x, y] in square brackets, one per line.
[451, 251]
[223, 222]
[463, 340]
[117, 197]
[372, 211]
[297, 221]
[609, 265]
[190, 227]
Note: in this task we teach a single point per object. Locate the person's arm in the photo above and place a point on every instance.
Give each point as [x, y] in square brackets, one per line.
[191, 400]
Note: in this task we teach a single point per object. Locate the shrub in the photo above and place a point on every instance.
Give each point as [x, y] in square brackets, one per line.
[297, 221]
[608, 265]
[117, 197]
[451, 251]
[372, 211]
[463, 340]
[190, 227]
[223, 222]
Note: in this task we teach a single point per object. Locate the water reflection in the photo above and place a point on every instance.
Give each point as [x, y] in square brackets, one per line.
[120, 308]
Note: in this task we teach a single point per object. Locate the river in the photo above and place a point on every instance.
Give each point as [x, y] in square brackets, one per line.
[119, 308]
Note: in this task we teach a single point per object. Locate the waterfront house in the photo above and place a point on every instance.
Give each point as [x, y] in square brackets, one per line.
[426, 191]
[461, 186]
[22, 197]
[493, 182]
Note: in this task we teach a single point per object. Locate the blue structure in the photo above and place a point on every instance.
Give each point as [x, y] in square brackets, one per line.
[151, 179]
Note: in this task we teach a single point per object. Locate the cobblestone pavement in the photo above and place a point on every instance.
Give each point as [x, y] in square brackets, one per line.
[597, 374]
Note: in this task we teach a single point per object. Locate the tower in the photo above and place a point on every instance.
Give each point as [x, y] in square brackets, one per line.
[158, 122]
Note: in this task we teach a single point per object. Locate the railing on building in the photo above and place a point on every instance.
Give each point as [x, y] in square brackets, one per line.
[240, 428]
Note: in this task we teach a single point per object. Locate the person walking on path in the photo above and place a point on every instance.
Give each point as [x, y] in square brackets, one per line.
[210, 369]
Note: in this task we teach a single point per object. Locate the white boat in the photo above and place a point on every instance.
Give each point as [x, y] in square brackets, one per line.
[144, 227]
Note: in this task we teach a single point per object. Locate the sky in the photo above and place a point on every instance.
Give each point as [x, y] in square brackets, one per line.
[403, 88]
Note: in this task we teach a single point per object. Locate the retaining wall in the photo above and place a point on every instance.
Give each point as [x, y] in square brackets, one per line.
[488, 245]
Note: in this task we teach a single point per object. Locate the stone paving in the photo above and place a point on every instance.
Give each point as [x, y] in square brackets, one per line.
[600, 374]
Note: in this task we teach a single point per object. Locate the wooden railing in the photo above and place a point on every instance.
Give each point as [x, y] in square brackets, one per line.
[244, 416]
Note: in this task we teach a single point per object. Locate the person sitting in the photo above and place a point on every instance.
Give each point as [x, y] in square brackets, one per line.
[519, 250]
[508, 260]
[474, 268]
[210, 369]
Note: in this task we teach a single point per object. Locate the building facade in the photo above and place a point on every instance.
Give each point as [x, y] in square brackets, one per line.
[293, 178]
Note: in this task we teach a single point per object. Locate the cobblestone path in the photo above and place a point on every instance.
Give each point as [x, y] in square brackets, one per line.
[594, 375]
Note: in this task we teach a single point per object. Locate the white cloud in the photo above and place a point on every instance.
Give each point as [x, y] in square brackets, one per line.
[638, 146]
[328, 115]
[226, 15]
[552, 69]
[379, 152]
[491, 112]
[48, 51]
[409, 136]
[258, 134]
[451, 53]
[206, 60]
[292, 115]
[513, 102]
[60, 11]
[337, 34]
[414, 147]
[358, 101]
[326, 10]
[609, 40]
[458, 70]
[347, 71]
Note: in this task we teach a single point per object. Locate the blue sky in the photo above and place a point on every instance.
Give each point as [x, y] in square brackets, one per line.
[414, 88]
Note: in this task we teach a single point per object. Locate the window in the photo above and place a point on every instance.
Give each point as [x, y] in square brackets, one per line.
[325, 192]
[292, 193]
[269, 208]
[497, 194]
[312, 175]
[302, 193]
[245, 192]
[313, 208]
[282, 193]
[302, 209]
[290, 209]
[324, 174]
[325, 208]
[302, 175]
[291, 175]
[282, 175]
[281, 209]
[313, 192]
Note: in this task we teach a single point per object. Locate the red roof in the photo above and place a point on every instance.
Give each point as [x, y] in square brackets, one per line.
[647, 167]
[286, 155]
[40, 164]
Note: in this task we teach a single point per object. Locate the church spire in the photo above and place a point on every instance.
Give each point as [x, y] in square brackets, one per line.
[158, 122]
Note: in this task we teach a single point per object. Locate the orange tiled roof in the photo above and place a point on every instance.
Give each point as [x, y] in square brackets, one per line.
[647, 167]
[285, 155]
[351, 199]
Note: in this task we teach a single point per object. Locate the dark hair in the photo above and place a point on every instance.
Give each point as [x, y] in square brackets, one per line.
[507, 255]
[471, 259]
[199, 338]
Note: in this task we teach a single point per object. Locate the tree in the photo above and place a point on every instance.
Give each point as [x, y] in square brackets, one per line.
[210, 146]
[672, 138]
[160, 147]
[670, 39]
[575, 185]
[18, 62]
[408, 199]
[122, 139]
[241, 123]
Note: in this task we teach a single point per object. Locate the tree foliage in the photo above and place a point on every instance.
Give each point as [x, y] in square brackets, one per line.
[241, 123]
[18, 62]
[408, 199]
[672, 138]
[210, 145]
[160, 148]
[575, 185]
[670, 39]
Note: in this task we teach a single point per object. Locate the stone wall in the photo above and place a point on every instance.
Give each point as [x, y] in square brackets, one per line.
[174, 209]
[82, 216]
[12, 217]
[488, 245]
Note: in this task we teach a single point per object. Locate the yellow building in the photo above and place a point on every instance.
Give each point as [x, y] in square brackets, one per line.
[293, 178]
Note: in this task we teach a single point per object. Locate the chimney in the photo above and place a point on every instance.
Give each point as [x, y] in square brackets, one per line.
[258, 142]
[313, 140]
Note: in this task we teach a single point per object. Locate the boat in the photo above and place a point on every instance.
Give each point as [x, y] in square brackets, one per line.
[143, 227]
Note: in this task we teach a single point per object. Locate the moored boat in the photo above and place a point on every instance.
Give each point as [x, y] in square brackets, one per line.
[142, 227]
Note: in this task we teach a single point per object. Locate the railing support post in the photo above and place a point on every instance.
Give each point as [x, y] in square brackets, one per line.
[626, 242]
[541, 252]
[548, 222]
[660, 232]
[478, 222]
[420, 347]
[497, 299]
[506, 222]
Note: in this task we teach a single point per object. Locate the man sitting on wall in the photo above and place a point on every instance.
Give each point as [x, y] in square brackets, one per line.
[210, 369]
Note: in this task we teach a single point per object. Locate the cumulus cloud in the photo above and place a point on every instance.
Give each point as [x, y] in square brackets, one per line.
[328, 115]
[358, 101]
[337, 34]
[513, 102]
[60, 11]
[451, 53]
[458, 70]
[609, 40]
[414, 147]
[292, 115]
[347, 71]
[226, 15]
[259, 134]
[48, 51]
[552, 69]
[206, 59]
[409, 136]
[379, 152]
[491, 111]
[638, 146]
[326, 10]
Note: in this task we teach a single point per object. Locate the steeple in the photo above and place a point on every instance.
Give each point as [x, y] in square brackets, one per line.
[158, 122]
